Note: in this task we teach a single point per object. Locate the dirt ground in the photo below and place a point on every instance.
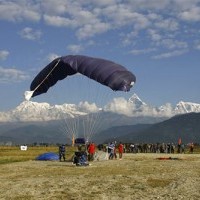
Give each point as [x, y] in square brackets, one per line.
[136, 176]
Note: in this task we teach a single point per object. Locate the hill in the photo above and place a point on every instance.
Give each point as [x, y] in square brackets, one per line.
[25, 133]
[186, 126]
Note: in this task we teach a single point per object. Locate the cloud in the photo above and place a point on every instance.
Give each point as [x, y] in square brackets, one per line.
[192, 14]
[167, 24]
[92, 20]
[170, 54]
[75, 48]
[90, 30]
[120, 106]
[149, 5]
[103, 2]
[173, 44]
[129, 38]
[12, 75]
[167, 41]
[52, 56]
[124, 107]
[154, 35]
[119, 15]
[19, 11]
[59, 21]
[87, 107]
[53, 7]
[4, 54]
[197, 45]
[156, 21]
[30, 34]
[142, 51]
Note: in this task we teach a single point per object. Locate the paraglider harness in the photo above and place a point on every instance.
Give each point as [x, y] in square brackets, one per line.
[80, 156]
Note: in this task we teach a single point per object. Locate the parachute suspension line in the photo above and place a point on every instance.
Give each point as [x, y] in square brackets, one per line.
[89, 118]
[93, 121]
[64, 130]
[104, 100]
[97, 118]
[47, 75]
[69, 134]
[69, 123]
[73, 124]
[70, 126]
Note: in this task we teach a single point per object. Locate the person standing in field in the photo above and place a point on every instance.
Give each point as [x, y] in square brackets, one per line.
[120, 150]
[111, 150]
[179, 145]
[191, 147]
[62, 152]
[91, 151]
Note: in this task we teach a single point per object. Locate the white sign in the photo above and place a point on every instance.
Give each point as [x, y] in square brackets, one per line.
[23, 148]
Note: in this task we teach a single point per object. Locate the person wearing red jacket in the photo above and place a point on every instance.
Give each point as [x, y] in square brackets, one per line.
[91, 151]
[120, 150]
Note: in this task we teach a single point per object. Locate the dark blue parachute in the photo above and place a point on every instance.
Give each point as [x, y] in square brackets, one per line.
[103, 71]
[48, 156]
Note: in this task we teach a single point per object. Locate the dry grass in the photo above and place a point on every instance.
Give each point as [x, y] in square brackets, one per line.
[14, 154]
[137, 176]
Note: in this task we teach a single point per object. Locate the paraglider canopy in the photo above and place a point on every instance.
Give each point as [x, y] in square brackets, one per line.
[106, 72]
[48, 156]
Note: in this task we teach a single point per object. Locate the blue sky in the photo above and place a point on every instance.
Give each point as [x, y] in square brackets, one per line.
[159, 41]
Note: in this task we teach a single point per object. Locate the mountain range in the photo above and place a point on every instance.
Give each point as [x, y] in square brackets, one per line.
[128, 120]
[184, 126]
[133, 107]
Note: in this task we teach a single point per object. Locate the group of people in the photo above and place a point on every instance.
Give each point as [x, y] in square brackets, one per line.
[112, 150]
[115, 148]
[157, 148]
[150, 148]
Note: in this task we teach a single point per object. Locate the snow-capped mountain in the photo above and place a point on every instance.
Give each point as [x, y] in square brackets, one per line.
[134, 106]
[134, 99]
[186, 107]
[33, 111]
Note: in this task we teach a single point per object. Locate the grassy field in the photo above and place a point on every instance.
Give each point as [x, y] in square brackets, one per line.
[136, 176]
[10, 154]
